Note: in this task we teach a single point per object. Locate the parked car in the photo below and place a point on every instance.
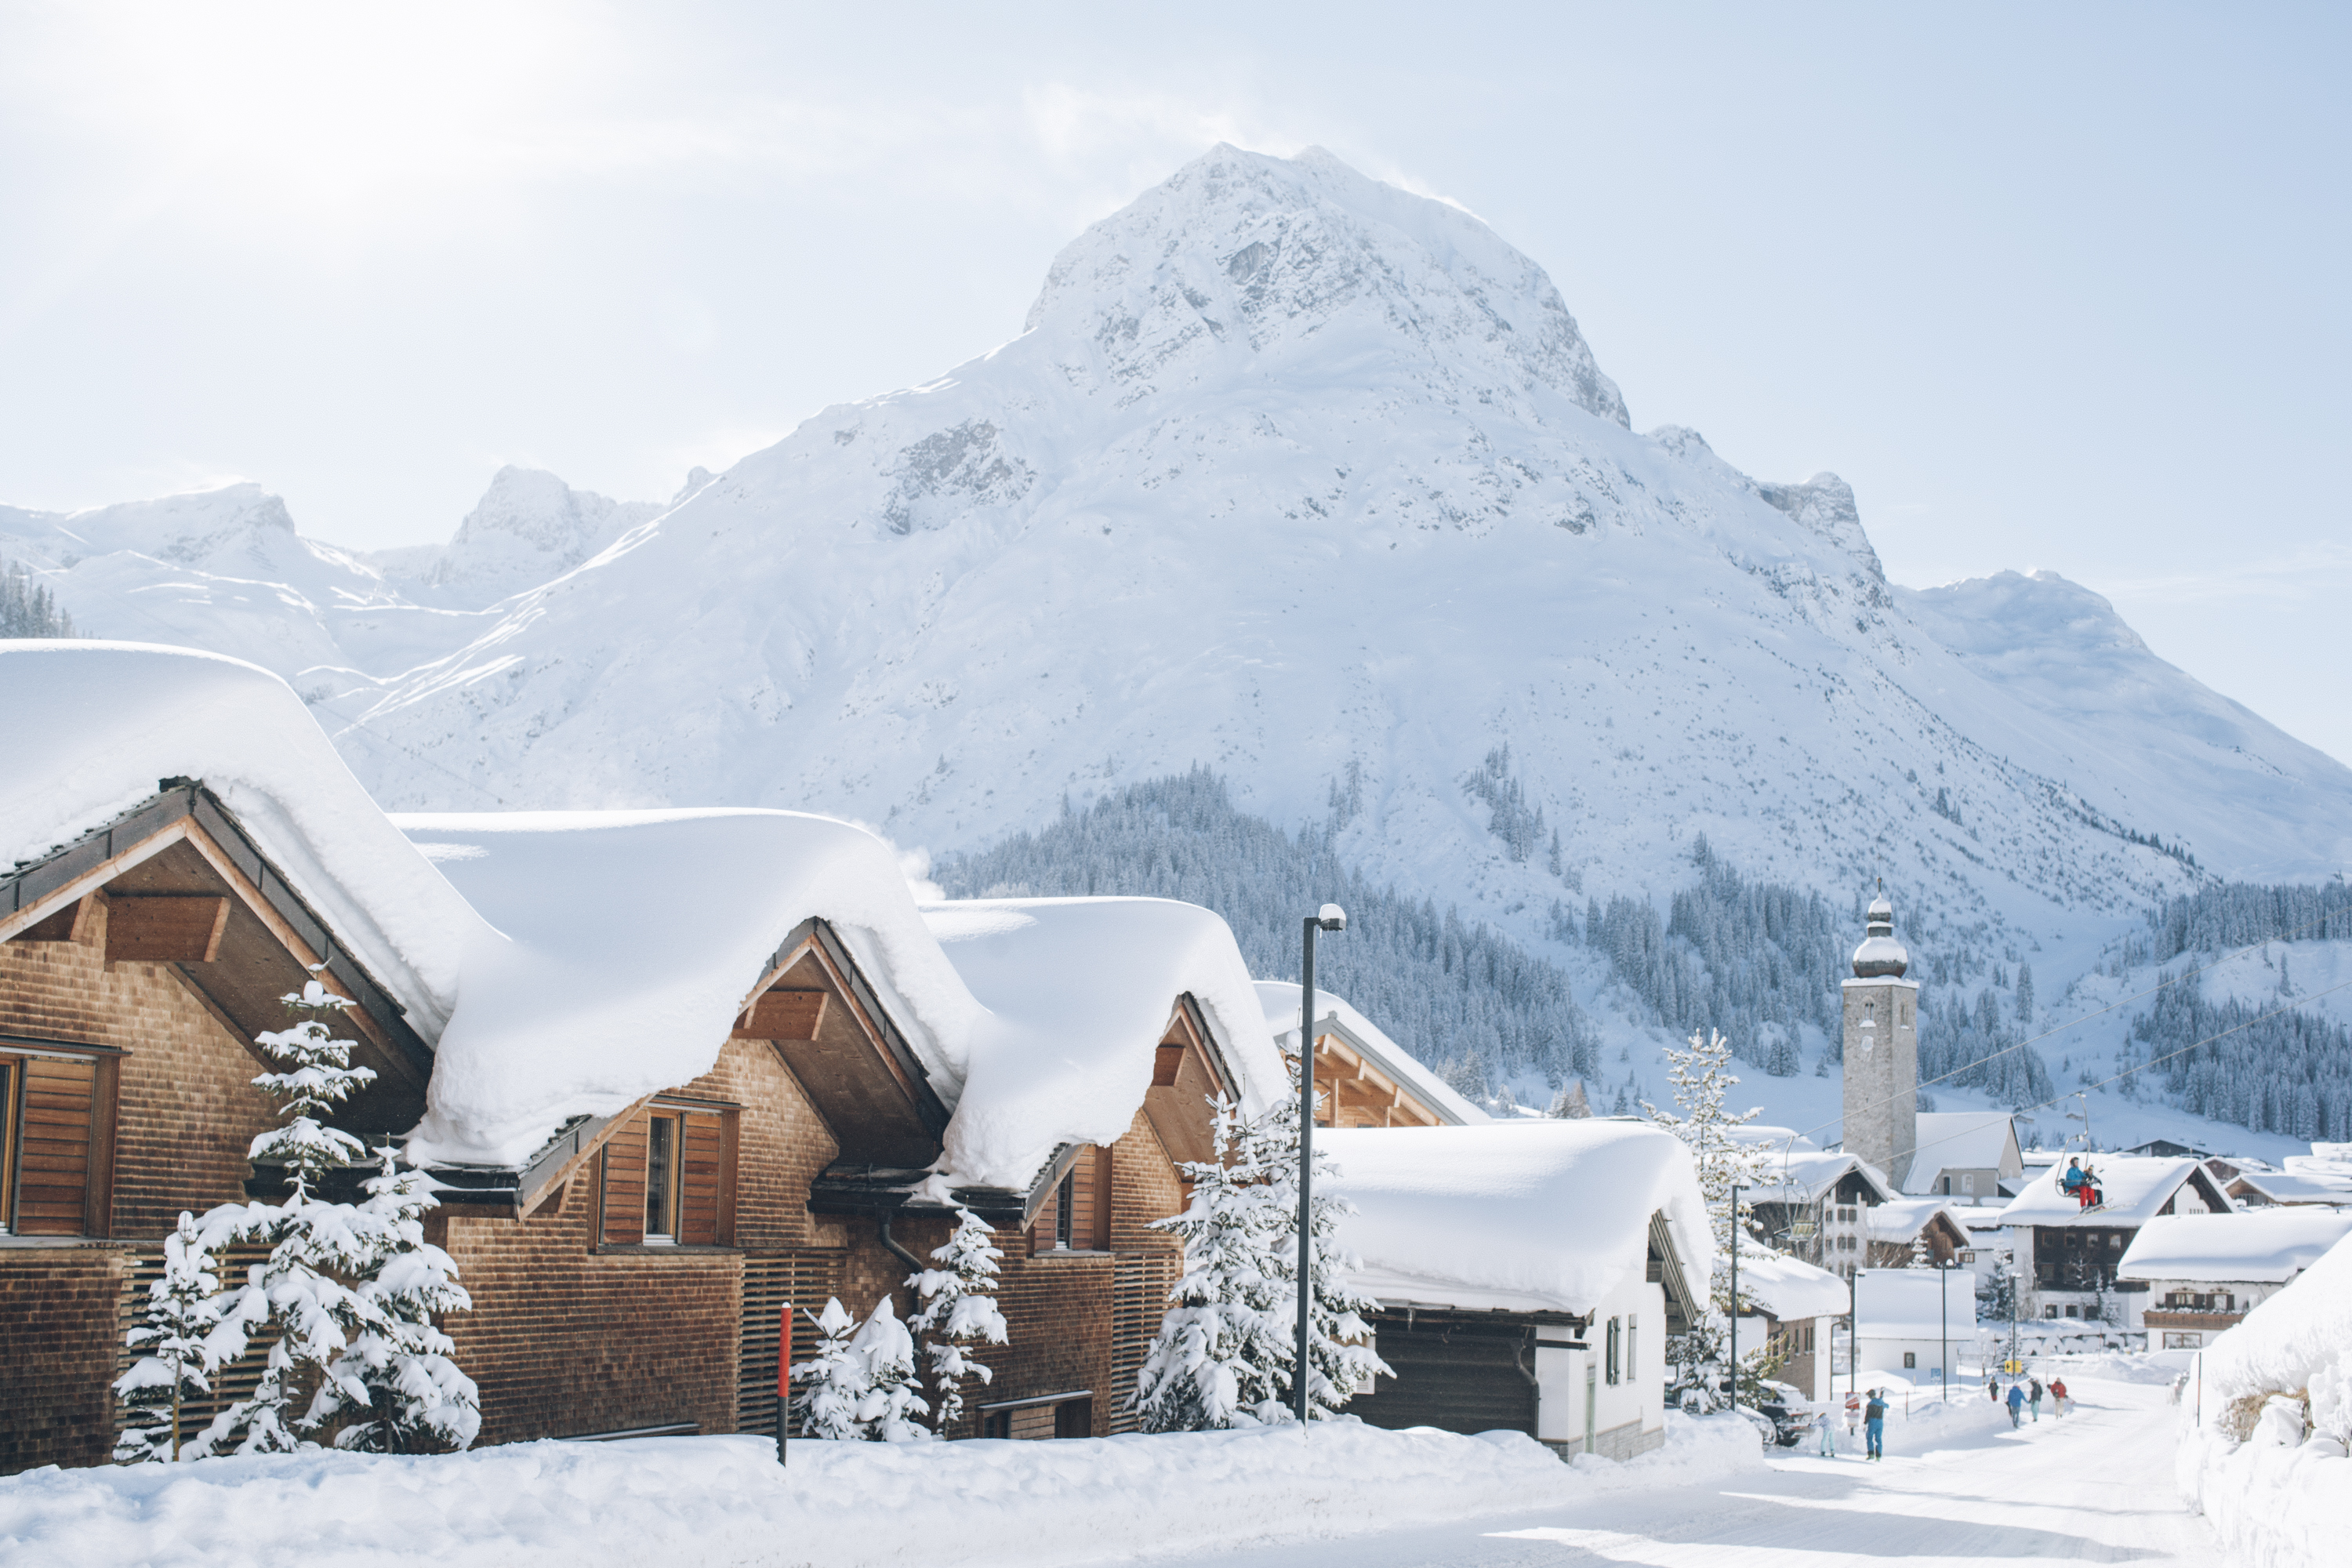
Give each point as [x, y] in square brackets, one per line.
[1789, 1412]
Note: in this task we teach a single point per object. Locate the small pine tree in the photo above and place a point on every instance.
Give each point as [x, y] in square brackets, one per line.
[1921, 1256]
[1701, 1080]
[1212, 1363]
[892, 1400]
[1339, 1356]
[833, 1380]
[1571, 1104]
[394, 1380]
[2025, 994]
[958, 1309]
[314, 1246]
[183, 1311]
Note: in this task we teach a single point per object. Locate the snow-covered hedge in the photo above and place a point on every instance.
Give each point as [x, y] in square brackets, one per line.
[724, 1501]
[2270, 1424]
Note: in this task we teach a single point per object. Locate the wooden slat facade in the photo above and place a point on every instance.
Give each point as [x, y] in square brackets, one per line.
[803, 1279]
[624, 1162]
[229, 1383]
[1457, 1372]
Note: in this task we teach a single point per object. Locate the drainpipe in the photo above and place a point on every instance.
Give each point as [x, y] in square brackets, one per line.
[882, 1223]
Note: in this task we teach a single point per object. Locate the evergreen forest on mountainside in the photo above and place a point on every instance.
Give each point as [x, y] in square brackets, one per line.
[1760, 960]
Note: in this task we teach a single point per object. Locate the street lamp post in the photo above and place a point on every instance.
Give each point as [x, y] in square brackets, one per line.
[1330, 917]
[1735, 1295]
[1944, 1329]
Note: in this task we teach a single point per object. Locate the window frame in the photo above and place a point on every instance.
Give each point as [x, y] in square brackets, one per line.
[1613, 1340]
[664, 1126]
[12, 1108]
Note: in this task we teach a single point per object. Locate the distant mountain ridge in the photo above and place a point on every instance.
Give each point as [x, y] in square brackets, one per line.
[1316, 483]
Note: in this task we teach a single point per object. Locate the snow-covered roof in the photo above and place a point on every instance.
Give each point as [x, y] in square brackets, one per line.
[1915, 1303]
[2268, 1244]
[1279, 999]
[2132, 1188]
[626, 942]
[2295, 1340]
[1958, 1140]
[1898, 1220]
[1794, 1174]
[1074, 996]
[1789, 1287]
[92, 727]
[1537, 1216]
[2298, 1186]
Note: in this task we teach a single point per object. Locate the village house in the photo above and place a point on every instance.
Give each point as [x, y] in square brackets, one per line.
[1362, 1077]
[1792, 1309]
[1965, 1156]
[1814, 1203]
[150, 922]
[1913, 1321]
[2322, 1177]
[1527, 1274]
[2203, 1272]
[1902, 1229]
[2066, 1257]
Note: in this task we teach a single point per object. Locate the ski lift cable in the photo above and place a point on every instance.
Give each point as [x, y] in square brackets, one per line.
[2125, 1002]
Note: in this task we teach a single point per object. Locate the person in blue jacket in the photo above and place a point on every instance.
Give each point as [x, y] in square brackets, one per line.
[2016, 1403]
[1873, 1423]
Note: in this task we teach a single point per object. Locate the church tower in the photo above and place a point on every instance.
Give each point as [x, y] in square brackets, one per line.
[1882, 1049]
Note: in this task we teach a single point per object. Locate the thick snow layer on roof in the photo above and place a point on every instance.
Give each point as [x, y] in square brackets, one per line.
[1077, 993]
[90, 728]
[2297, 1341]
[1958, 1141]
[1915, 1303]
[2272, 1245]
[1543, 1215]
[626, 943]
[2300, 1186]
[1789, 1287]
[2132, 1188]
[1898, 1220]
[1805, 1175]
[1280, 1000]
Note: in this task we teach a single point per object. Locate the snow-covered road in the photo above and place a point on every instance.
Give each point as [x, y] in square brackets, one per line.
[2096, 1487]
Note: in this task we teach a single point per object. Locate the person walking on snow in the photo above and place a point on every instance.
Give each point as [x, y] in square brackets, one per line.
[2016, 1403]
[2034, 1395]
[2058, 1398]
[1828, 1435]
[1992, 1388]
[1874, 1421]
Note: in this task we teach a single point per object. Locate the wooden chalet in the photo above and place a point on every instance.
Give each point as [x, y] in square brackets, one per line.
[2068, 1258]
[1362, 1077]
[1527, 1274]
[138, 960]
[1816, 1203]
[2204, 1272]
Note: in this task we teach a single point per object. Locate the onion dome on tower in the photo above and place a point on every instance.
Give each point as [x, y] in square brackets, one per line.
[1880, 955]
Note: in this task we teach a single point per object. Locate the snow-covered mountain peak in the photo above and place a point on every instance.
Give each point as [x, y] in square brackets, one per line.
[1825, 504]
[1244, 264]
[528, 527]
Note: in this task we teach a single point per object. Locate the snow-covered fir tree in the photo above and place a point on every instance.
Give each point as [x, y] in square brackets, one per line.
[184, 1312]
[1214, 1361]
[833, 1380]
[1701, 1078]
[315, 1247]
[889, 1408]
[1339, 1356]
[1922, 1256]
[959, 1311]
[394, 1386]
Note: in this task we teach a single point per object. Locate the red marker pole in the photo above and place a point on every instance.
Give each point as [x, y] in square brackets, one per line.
[783, 1378]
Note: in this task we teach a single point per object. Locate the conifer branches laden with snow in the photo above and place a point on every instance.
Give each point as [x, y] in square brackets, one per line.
[862, 1382]
[349, 1290]
[959, 1311]
[1701, 1080]
[183, 1316]
[1225, 1352]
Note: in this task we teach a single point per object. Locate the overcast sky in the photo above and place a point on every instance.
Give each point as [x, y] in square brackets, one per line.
[2053, 291]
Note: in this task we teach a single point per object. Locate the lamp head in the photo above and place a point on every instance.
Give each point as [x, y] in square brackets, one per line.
[1331, 917]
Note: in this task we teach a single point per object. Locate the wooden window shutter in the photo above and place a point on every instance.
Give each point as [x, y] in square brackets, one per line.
[1102, 1195]
[701, 1162]
[53, 1148]
[624, 1184]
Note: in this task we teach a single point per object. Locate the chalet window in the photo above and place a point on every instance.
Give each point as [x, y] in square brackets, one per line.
[2175, 1340]
[1611, 1368]
[1065, 1205]
[1968, 1182]
[1633, 1330]
[1910, 1360]
[664, 1179]
[57, 1115]
[1080, 1217]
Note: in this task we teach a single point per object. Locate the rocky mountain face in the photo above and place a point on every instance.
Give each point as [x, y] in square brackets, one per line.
[1316, 483]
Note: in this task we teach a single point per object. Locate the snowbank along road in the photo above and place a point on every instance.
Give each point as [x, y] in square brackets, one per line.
[2096, 1487]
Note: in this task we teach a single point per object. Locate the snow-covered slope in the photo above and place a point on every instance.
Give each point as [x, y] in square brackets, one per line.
[528, 527]
[1308, 480]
